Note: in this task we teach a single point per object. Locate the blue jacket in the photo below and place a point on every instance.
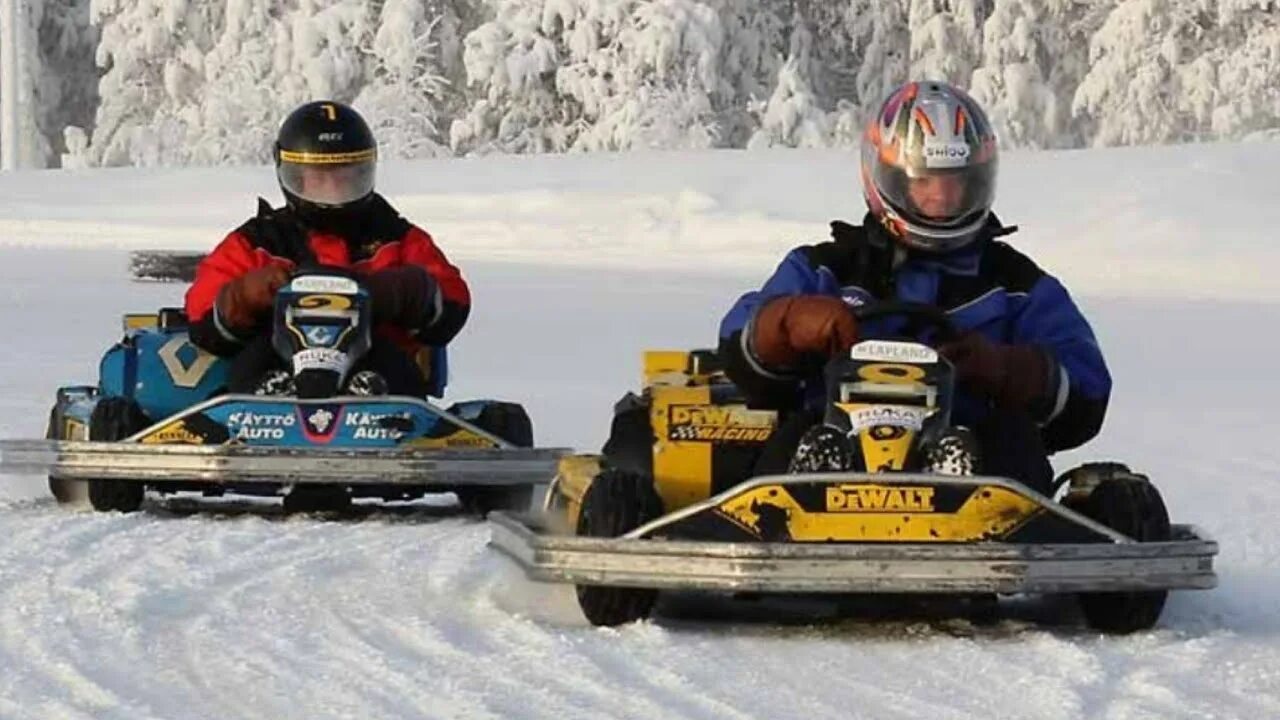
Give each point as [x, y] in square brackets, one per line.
[987, 286]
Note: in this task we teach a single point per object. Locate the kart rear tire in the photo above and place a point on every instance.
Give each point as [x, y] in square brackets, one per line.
[615, 503]
[64, 490]
[1131, 505]
[510, 422]
[630, 443]
[114, 419]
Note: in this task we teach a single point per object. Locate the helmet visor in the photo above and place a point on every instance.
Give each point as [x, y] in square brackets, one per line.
[939, 198]
[327, 184]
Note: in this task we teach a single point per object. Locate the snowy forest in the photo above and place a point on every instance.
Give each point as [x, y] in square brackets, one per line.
[188, 82]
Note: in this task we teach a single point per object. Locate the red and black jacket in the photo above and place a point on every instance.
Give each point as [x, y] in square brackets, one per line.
[383, 240]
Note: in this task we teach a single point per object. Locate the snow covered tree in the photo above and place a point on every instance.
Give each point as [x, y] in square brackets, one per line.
[405, 96]
[202, 83]
[615, 74]
[879, 31]
[510, 64]
[1035, 52]
[1154, 65]
[792, 116]
[945, 41]
[139, 46]
[207, 81]
[267, 60]
[1232, 87]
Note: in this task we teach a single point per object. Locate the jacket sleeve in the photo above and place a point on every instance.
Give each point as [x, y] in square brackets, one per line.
[763, 386]
[233, 257]
[1073, 410]
[452, 303]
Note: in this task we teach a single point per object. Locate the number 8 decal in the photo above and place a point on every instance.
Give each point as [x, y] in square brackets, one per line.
[892, 373]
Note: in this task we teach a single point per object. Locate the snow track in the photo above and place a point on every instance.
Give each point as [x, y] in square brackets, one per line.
[406, 614]
[238, 612]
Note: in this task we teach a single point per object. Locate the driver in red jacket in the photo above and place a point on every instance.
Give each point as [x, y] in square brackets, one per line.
[325, 161]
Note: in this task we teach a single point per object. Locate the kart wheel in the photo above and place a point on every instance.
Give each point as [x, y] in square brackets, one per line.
[316, 499]
[510, 422]
[779, 451]
[630, 443]
[114, 419]
[822, 449]
[616, 503]
[483, 500]
[954, 453]
[1129, 504]
[64, 490]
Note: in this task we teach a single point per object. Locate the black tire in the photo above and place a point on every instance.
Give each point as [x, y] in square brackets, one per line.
[510, 422]
[616, 502]
[114, 419]
[481, 501]
[780, 449]
[317, 499]
[631, 438]
[1129, 504]
[822, 449]
[65, 491]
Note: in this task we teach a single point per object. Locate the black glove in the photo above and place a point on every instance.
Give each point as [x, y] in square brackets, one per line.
[406, 296]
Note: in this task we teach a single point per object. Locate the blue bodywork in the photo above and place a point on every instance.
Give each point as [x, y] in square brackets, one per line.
[165, 374]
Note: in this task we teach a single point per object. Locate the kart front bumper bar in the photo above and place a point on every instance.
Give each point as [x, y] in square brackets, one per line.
[224, 464]
[1186, 562]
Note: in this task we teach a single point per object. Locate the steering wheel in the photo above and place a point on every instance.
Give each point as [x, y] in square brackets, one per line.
[312, 268]
[919, 316]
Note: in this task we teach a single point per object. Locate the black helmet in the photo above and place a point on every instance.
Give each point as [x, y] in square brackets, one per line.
[325, 159]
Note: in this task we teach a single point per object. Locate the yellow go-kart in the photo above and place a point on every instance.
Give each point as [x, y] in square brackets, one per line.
[697, 491]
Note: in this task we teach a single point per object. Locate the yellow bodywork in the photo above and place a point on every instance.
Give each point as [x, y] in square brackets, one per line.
[461, 438]
[140, 321]
[686, 425]
[174, 433]
[689, 424]
[73, 429]
[874, 512]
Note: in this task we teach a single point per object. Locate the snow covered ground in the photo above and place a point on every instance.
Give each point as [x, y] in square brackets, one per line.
[577, 264]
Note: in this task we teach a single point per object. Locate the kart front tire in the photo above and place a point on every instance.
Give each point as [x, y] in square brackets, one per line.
[1131, 505]
[615, 503]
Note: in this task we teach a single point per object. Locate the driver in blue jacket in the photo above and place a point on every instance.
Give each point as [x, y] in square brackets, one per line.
[1031, 379]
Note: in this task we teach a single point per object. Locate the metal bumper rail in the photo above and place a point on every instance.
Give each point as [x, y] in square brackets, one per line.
[226, 464]
[1183, 563]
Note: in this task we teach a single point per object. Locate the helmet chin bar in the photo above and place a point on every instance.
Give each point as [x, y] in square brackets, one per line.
[342, 219]
[933, 239]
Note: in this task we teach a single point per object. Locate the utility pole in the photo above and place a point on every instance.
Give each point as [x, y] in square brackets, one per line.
[15, 90]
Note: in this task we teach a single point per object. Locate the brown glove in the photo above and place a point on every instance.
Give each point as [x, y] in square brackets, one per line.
[405, 296]
[786, 329]
[1015, 376]
[242, 301]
